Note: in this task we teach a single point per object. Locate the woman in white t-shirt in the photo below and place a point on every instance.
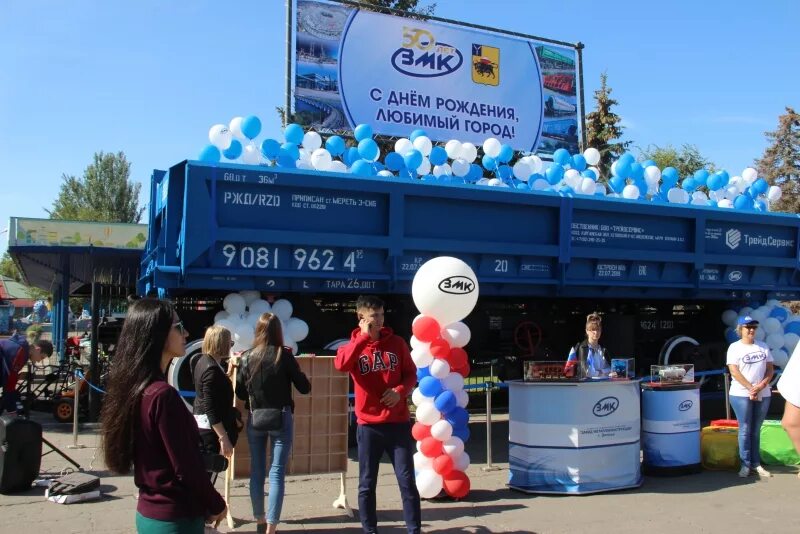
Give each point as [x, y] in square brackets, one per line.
[750, 364]
[789, 386]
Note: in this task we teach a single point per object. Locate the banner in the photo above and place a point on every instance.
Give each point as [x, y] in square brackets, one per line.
[48, 232]
[353, 66]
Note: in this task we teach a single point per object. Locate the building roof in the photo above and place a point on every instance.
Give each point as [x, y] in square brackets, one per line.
[12, 290]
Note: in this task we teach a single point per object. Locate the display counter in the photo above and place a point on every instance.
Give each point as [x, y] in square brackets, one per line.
[574, 437]
[671, 428]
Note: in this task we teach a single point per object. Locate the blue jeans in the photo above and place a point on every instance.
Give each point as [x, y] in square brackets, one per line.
[281, 449]
[751, 415]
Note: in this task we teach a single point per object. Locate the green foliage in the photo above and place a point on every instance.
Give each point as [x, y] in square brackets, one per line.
[603, 128]
[9, 269]
[780, 164]
[686, 159]
[104, 193]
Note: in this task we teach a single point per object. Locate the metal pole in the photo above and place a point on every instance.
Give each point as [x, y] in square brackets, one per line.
[727, 393]
[579, 50]
[94, 368]
[75, 401]
[289, 33]
[489, 466]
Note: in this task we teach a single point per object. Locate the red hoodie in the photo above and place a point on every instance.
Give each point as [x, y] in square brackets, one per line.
[375, 367]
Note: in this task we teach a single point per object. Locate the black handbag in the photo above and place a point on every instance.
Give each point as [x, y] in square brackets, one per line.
[266, 419]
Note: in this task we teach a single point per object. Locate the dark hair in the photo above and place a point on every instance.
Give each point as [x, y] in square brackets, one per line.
[45, 346]
[137, 363]
[268, 341]
[370, 302]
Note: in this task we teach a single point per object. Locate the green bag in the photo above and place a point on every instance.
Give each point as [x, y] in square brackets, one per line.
[776, 447]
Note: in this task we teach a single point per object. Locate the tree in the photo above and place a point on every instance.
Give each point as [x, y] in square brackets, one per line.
[685, 160]
[104, 193]
[603, 127]
[8, 268]
[780, 164]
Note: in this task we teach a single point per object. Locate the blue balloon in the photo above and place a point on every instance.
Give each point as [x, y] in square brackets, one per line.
[437, 156]
[504, 172]
[462, 434]
[641, 185]
[669, 177]
[293, 133]
[617, 184]
[566, 191]
[489, 163]
[417, 133]
[351, 156]
[714, 182]
[209, 154]
[724, 177]
[458, 418]
[506, 153]
[413, 159]
[760, 205]
[701, 177]
[335, 145]
[535, 176]
[368, 149]
[430, 386]
[760, 186]
[523, 186]
[742, 202]
[475, 172]
[362, 131]
[554, 173]
[233, 151]
[292, 149]
[588, 173]
[561, 156]
[394, 161]
[422, 372]
[285, 159]
[578, 162]
[649, 163]
[779, 313]
[445, 401]
[362, 167]
[689, 184]
[623, 168]
[378, 166]
[251, 127]
[270, 148]
[429, 178]
[792, 327]
[628, 158]
[637, 171]
[731, 336]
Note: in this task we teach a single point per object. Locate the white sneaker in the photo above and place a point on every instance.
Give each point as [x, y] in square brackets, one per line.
[763, 472]
[744, 472]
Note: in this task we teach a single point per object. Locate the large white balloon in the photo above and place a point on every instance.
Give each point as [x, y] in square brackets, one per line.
[780, 357]
[292, 344]
[749, 175]
[453, 381]
[535, 163]
[321, 159]
[461, 461]
[456, 334]
[462, 398]
[403, 145]
[417, 397]
[592, 156]
[297, 329]
[468, 152]
[251, 155]
[427, 414]
[454, 149]
[220, 136]
[790, 341]
[772, 325]
[445, 288]
[312, 141]
[522, 171]
[429, 483]
[421, 356]
[424, 167]
[220, 315]
[453, 446]
[491, 147]
[283, 309]
[652, 175]
[235, 127]
[460, 167]
[234, 304]
[440, 368]
[416, 343]
[773, 193]
[775, 341]
[259, 306]
[631, 192]
[442, 430]
[729, 317]
[423, 144]
[250, 295]
[422, 462]
[588, 186]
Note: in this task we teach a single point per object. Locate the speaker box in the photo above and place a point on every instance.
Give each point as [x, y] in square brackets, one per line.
[20, 453]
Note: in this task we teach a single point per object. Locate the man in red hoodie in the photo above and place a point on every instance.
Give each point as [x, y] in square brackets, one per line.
[383, 376]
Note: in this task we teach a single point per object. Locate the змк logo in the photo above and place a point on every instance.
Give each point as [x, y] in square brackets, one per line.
[421, 56]
[732, 238]
[605, 406]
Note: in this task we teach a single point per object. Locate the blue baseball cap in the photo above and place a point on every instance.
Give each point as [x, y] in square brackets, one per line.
[746, 321]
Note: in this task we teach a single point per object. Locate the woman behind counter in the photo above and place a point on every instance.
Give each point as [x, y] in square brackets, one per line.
[750, 364]
[590, 358]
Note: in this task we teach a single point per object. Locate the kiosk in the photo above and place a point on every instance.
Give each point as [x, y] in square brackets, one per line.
[574, 437]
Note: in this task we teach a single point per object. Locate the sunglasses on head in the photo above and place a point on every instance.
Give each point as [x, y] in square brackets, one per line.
[180, 327]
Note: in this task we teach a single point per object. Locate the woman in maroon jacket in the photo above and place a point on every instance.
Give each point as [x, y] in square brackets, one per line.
[145, 424]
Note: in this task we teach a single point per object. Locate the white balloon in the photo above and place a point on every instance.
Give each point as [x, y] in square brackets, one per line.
[321, 159]
[592, 156]
[304, 165]
[250, 295]
[416, 343]
[588, 186]
[749, 175]
[535, 163]
[699, 198]
[283, 309]
[427, 414]
[441, 430]
[631, 192]
[573, 179]
[772, 325]
[456, 334]
[453, 382]
[424, 167]
[461, 462]
[251, 155]
[423, 144]
[235, 127]
[312, 141]
[244, 335]
[422, 356]
[402, 146]
[491, 147]
[462, 398]
[522, 171]
[675, 195]
[460, 167]
[337, 166]
[773, 193]
[297, 329]
[468, 152]
[747, 310]
[446, 289]
[495, 182]
[761, 335]
[453, 446]
[780, 358]
[442, 170]
[228, 324]
[385, 173]
[758, 314]
[234, 303]
[220, 136]
[775, 341]
[422, 462]
[259, 306]
[725, 203]
[790, 341]
[540, 184]
[417, 397]
[614, 169]
[729, 317]
[220, 315]
[652, 174]
[292, 344]
[439, 368]
[429, 483]
[453, 149]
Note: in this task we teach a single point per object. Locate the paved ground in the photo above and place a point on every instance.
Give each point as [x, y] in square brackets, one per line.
[708, 502]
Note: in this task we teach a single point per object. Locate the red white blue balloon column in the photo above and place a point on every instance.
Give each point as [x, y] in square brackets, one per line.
[445, 291]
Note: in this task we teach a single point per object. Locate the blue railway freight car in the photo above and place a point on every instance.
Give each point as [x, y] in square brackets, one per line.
[542, 260]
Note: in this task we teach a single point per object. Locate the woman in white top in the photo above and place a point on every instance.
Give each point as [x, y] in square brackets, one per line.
[789, 386]
[750, 364]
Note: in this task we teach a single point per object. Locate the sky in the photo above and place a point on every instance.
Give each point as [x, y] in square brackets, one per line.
[150, 77]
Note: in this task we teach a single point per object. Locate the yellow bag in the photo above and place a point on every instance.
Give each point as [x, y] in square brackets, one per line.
[719, 448]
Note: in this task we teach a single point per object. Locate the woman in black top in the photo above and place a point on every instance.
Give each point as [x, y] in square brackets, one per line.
[265, 379]
[213, 406]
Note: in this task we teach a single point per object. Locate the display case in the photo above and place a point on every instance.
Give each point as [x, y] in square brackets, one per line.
[677, 373]
[541, 371]
[624, 367]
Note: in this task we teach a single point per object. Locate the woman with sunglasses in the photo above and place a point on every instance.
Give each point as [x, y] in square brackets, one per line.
[750, 364]
[213, 408]
[266, 375]
[145, 426]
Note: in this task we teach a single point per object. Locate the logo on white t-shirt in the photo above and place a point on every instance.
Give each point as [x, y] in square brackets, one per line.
[754, 357]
